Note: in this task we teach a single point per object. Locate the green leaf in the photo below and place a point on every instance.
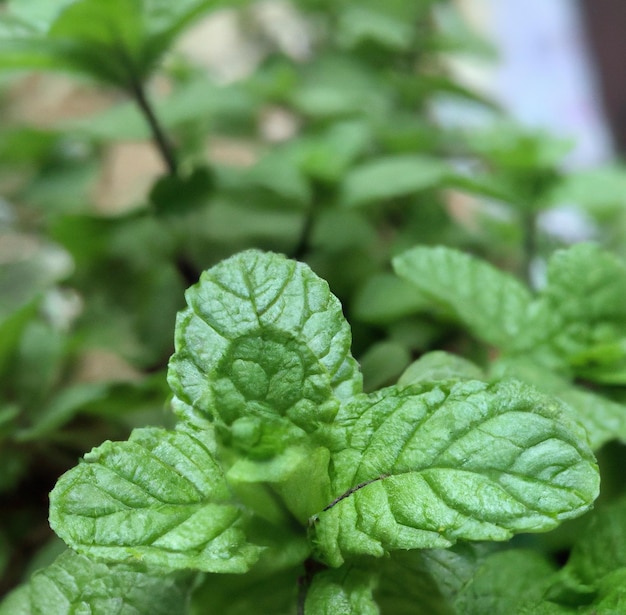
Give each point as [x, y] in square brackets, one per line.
[77, 584]
[335, 85]
[359, 24]
[264, 350]
[119, 41]
[602, 547]
[424, 582]
[391, 177]
[246, 594]
[426, 466]
[159, 498]
[603, 419]
[27, 270]
[124, 121]
[383, 363]
[611, 598]
[439, 365]
[175, 195]
[504, 582]
[492, 304]
[299, 475]
[346, 591]
[329, 155]
[62, 407]
[581, 315]
[385, 298]
[600, 191]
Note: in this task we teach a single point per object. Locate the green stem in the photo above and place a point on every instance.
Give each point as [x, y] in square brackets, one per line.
[159, 137]
[529, 229]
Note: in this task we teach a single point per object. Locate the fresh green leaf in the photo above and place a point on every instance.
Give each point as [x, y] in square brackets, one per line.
[383, 363]
[601, 548]
[425, 582]
[299, 475]
[329, 155]
[603, 419]
[439, 365]
[335, 85]
[28, 269]
[492, 304]
[160, 498]
[599, 191]
[581, 315]
[118, 42]
[359, 24]
[346, 591]
[175, 195]
[611, 599]
[385, 298]
[263, 349]
[62, 407]
[230, 594]
[328, 232]
[391, 177]
[426, 466]
[77, 584]
[504, 582]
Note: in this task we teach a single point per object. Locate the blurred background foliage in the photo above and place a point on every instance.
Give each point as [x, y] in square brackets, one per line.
[141, 141]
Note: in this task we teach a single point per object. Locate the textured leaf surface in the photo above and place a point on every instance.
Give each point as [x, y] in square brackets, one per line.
[264, 349]
[424, 467]
[423, 582]
[439, 365]
[581, 313]
[492, 304]
[75, 584]
[347, 591]
[247, 594]
[602, 547]
[504, 582]
[159, 498]
[603, 419]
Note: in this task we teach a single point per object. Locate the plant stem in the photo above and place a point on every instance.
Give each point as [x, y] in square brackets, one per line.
[159, 137]
[529, 229]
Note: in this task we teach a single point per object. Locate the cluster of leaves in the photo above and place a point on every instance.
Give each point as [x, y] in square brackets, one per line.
[279, 459]
[288, 460]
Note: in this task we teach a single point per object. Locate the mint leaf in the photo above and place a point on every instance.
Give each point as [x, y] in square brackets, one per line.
[346, 591]
[159, 498]
[504, 582]
[581, 315]
[383, 363]
[602, 547]
[426, 466]
[77, 584]
[390, 177]
[424, 582]
[117, 41]
[603, 419]
[299, 475]
[264, 350]
[611, 598]
[386, 297]
[492, 304]
[244, 594]
[439, 365]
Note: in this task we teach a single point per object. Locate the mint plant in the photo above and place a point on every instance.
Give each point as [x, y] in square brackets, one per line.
[572, 332]
[279, 462]
[304, 481]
